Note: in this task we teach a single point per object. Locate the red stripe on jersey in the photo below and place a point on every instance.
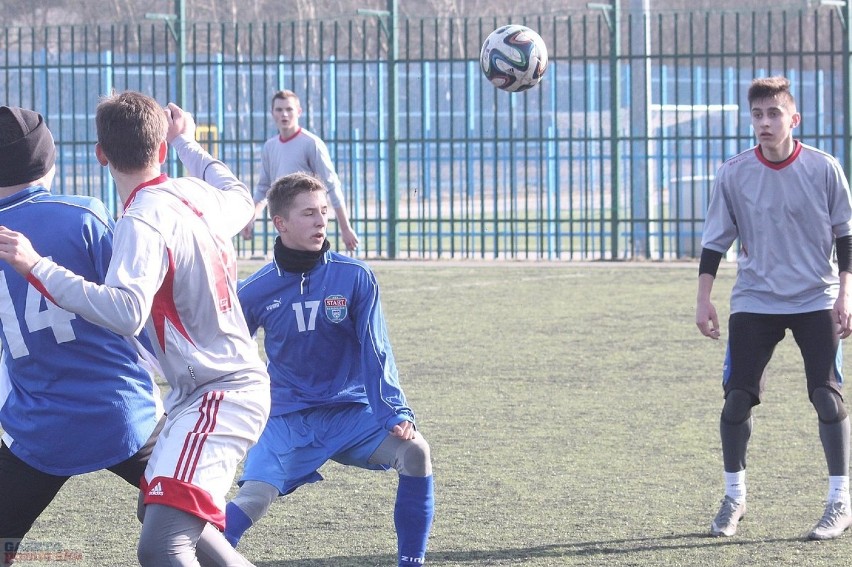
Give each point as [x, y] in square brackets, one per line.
[222, 278]
[36, 283]
[220, 262]
[164, 309]
[192, 208]
[184, 496]
[194, 442]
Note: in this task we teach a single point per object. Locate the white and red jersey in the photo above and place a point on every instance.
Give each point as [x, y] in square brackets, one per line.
[173, 270]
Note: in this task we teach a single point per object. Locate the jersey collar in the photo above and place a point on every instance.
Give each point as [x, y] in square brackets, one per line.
[156, 181]
[23, 195]
[797, 149]
[285, 140]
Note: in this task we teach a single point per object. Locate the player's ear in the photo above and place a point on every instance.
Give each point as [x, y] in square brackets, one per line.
[796, 119]
[163, 152]
[278, 223]
[99, 153]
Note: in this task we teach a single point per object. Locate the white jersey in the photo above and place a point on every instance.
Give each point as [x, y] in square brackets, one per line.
[787, 216]
[173, 270]
[301, 152]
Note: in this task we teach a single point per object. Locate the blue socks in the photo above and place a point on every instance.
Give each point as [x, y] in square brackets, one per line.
[413, 512]
[415, 507]
[236, 523]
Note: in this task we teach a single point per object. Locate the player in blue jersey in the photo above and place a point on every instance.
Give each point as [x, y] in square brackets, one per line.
[335, 386]
[789, 205]
[173, 273]
[78, 396]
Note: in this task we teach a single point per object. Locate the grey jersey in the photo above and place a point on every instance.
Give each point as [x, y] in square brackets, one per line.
[787, 216]
[303, 151]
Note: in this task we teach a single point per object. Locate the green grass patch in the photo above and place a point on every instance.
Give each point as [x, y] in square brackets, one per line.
[573, 413]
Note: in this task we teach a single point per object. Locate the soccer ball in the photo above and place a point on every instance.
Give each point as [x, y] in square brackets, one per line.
[513, 58]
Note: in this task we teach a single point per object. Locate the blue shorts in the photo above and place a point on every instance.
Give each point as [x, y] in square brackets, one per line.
[294, 445]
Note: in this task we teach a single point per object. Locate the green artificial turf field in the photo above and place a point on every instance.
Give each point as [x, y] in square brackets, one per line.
[573, 413]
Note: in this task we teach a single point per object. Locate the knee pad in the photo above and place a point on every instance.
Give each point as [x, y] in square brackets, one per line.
[254, 498]
[828, 405]
[414, 457]
[737, 408]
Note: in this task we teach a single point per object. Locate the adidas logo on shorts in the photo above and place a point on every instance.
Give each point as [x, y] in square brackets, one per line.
[156, 490]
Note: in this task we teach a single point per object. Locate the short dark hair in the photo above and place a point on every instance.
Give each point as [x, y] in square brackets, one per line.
[284, 191]
[130, 127]
[285, 94]
[771, 87]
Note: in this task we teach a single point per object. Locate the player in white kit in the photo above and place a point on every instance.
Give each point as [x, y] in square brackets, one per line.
[173, 272]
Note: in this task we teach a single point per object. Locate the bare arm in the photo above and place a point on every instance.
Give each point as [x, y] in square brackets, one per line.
[842, 306]
[705, 313]
[350, 239]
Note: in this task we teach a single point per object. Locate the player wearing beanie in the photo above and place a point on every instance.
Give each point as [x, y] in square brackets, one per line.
[173, 272]
[77, 396]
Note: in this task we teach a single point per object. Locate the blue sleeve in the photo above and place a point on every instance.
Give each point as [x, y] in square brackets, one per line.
[377, 361]
[99, 233]
[242, 296]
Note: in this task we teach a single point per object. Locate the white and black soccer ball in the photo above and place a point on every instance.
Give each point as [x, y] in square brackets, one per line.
[513, 58]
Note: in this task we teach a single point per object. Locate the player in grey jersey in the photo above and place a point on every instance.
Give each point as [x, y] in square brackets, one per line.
[789, 205]
[293, 149]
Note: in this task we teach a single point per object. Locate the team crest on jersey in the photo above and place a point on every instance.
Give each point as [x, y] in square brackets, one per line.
[336, 308]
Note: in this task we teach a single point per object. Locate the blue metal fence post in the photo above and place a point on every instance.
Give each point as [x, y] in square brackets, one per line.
[108, 192]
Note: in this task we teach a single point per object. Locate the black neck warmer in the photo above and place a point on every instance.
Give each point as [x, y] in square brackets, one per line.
[297, 261]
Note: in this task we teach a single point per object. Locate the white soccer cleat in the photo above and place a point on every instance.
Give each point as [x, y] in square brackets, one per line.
[835, 520]
[729, 516]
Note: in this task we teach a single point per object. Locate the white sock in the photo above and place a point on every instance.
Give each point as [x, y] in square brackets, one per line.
[838, 489]
[735, 485]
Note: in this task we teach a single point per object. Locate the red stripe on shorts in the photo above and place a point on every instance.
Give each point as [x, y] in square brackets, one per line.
[194, 442]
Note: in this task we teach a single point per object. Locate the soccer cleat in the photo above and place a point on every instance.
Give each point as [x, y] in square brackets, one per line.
[836, 518]
[730, 514]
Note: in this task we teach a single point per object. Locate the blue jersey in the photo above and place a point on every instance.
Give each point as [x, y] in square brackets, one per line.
[78, 399]
[325, 337]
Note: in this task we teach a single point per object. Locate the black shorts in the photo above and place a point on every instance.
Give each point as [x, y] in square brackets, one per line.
[26, 491]
[752, 338]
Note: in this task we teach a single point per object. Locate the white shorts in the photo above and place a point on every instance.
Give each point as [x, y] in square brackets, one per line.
[196, 455]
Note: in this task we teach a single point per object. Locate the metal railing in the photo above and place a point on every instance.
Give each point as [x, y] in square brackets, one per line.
[612, 156]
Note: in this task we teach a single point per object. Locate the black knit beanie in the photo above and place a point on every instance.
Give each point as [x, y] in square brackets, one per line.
[26, 156]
